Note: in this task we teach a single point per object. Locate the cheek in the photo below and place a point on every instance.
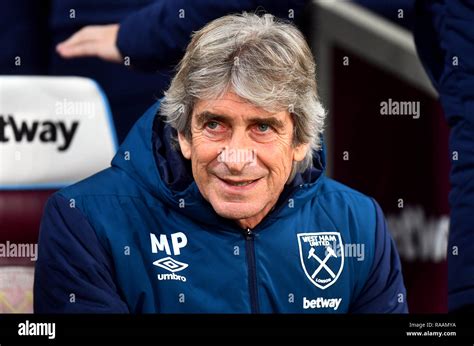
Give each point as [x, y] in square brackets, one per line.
[203, 153]
[278, 159]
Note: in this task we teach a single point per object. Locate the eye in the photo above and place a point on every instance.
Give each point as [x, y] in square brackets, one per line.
[212, 125]
[263, 127]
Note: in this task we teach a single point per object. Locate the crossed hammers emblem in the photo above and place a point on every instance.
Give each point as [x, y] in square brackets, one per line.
[322, 263]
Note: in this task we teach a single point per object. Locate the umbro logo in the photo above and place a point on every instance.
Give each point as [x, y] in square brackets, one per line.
[170, 264]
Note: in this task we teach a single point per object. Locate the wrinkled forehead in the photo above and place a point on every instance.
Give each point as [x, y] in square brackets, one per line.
[231, 108]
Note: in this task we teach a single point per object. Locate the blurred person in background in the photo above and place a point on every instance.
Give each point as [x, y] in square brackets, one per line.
[444, 35]
[143, 38]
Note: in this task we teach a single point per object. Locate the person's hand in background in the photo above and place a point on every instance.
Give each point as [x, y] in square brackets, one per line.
[92, 41]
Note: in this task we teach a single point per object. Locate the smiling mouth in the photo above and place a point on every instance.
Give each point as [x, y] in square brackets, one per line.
[242, 183]
[238, 183]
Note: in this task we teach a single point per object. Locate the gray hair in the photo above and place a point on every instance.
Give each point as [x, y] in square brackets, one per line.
[264, 60]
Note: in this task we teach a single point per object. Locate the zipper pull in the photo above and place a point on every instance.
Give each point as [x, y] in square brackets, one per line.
[248, 234]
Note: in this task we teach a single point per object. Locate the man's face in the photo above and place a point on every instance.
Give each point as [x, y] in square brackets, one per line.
[241, 156]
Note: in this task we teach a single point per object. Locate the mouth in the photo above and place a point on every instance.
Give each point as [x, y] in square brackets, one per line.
[241, 184]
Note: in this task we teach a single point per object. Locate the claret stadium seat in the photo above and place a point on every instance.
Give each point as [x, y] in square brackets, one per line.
[54, 131]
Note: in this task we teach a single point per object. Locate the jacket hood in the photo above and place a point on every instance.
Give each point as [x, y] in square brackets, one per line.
[149, 158]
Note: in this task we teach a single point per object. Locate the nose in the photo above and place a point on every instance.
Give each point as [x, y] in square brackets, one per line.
[239, 153]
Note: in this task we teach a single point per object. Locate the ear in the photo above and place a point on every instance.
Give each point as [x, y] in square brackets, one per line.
[184, 145]
[300, 151]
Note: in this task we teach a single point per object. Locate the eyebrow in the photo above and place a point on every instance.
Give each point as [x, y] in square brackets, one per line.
[206, 116]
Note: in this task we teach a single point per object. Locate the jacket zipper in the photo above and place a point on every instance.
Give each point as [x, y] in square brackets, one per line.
[250, 251]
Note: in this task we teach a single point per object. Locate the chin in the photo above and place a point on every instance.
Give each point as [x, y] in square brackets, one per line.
[235, 210]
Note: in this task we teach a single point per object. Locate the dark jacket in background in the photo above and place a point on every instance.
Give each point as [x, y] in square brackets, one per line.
[154, 34]
[444, 35]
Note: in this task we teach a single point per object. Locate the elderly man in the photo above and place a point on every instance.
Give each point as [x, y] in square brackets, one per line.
[217, 200]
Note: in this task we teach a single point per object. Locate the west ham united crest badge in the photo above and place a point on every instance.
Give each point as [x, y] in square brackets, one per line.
[322, 257]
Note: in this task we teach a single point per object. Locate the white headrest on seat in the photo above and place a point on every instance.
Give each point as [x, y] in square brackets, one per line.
[54, 131]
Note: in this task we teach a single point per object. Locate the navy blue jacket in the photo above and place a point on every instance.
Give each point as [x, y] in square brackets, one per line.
[444, 35]
[139, 237]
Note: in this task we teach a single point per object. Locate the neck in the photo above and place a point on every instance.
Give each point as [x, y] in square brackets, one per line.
[253, 221]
